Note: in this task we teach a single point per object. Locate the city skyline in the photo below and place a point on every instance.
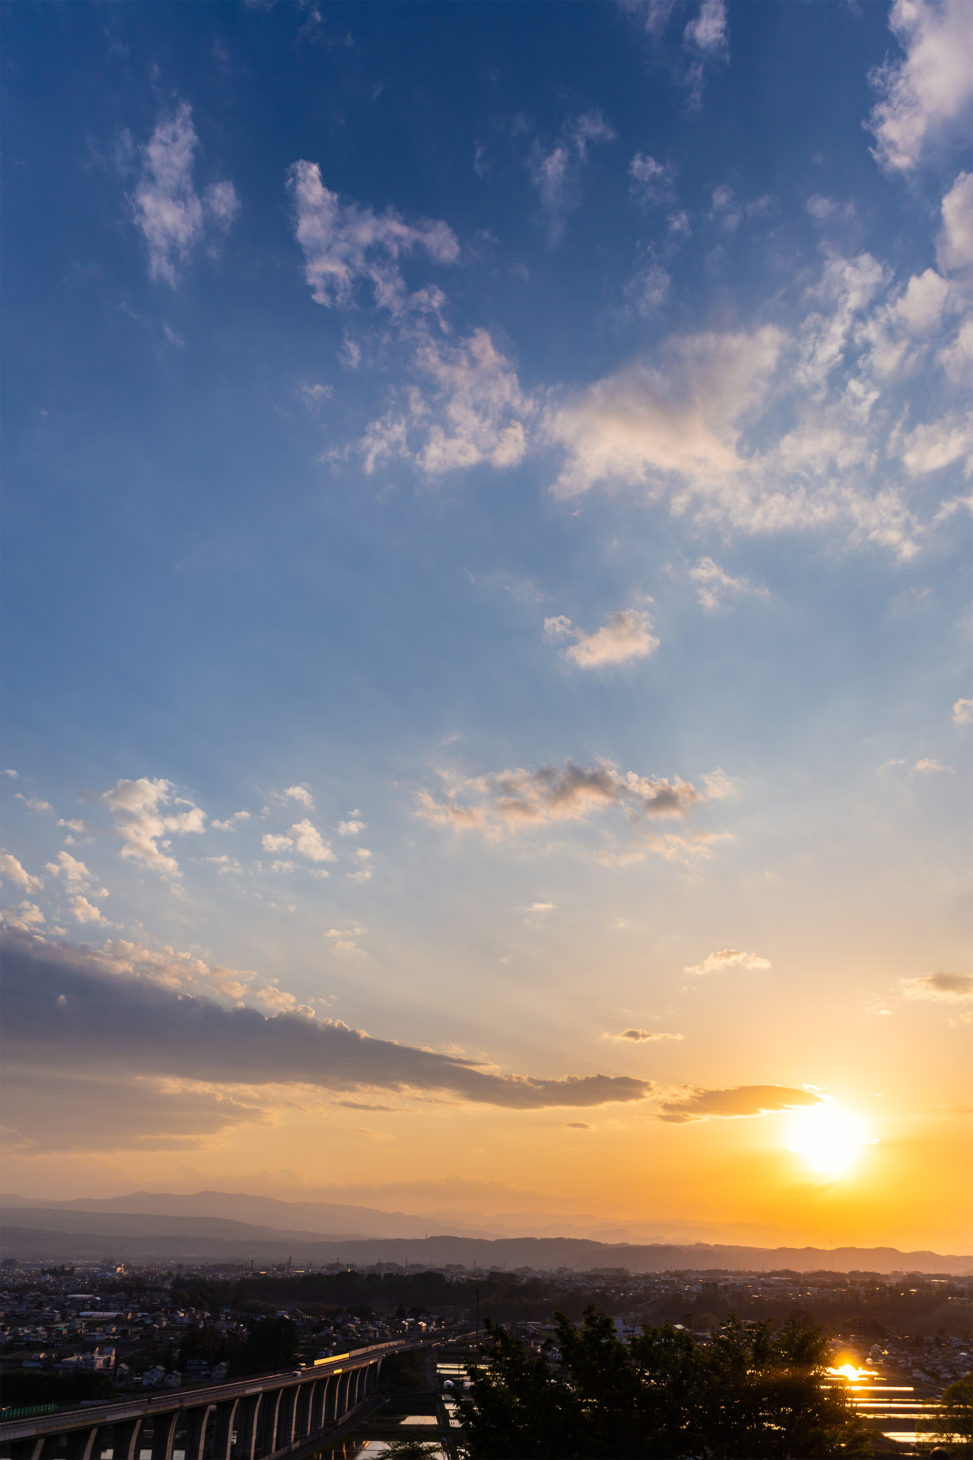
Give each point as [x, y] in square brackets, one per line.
[488, 690]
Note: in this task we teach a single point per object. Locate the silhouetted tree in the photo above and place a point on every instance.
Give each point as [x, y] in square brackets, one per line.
[751, 1393]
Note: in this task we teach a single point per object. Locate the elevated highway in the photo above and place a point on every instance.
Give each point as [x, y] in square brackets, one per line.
[263, 1418]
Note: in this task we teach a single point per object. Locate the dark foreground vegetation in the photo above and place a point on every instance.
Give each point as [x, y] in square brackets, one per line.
[588, 1395]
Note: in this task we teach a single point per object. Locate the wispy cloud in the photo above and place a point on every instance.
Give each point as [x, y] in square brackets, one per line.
[626, 634]
[555, 171]
[173, 218]
[728, 958]
[644, 1036]
[471, 411]
[346, 244]
[742, 1100]
[938, 988]
[963, 712]
[928, 92]
[716, 589]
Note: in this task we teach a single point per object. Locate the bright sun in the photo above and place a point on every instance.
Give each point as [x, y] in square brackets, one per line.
[827, 1138]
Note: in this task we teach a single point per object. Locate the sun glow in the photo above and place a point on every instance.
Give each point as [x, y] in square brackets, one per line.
[828, 1139]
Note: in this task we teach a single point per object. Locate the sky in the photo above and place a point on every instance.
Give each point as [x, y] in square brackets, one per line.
[488, 690]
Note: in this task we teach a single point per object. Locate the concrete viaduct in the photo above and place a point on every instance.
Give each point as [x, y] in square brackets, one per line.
[262, 1418]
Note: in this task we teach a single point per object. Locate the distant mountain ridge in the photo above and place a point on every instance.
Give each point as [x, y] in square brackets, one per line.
[186, 1229]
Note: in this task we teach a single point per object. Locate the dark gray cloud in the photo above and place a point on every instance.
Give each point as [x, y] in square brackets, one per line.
[512, 798]
[48, 1110]
[63, 1011]
[942, 988]
[741, 1100]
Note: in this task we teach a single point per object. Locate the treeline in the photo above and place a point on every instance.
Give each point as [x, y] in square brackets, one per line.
[861, 1302]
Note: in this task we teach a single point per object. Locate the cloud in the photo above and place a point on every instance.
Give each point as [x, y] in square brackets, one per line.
[926, 96]
[652, 181]
[509, 800]
[715, 587]
[231, 822]
[303, 837]
[644, 1036]
[474, 411]
[351, 827]
[54, 1111]
[728, 958]
[142, 823]
[707, 32]
[346, 245]
[963, 712]
[954, 247]
[85, 911]
[26, 915]
[555, 172]
[171, 216]
[300, 794]
[648, 289]
[626, 634]
[647, 424]
[75, 874]
[66, 1011]
[11, 869]
[33, 803]
[308, 841]
[14, 775]
[930, 766]
[944, 988]
[742, 1100]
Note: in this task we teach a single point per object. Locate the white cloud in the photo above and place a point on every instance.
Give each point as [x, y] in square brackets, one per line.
[300, 794]
[350, 827]
[142, 822]
[652, 181]
[272, 843]
[231, 822]
[73, 825]
[944, 988]
[954, 247]
[715, 587]
[343, 939]
[224, 864]
[86, 912]
[963, 712]
[75, 874]
[14, 775]
[11, 869]
[707, 32]
[172, 217]
[646, 425]
[937, 444]
[930, 766]
[26, 915]
[728, 958]
[475, 413]
[928, 93]
[33, 803]
[626, 634]
[364, 875]
[345, 245]
[308, 841]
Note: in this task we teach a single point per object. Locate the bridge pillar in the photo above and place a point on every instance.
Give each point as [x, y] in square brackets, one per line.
[163, 1434]
[266, 1429]
[221, 1428]
[243, 1446]
[286, 1406]
[319, 1391]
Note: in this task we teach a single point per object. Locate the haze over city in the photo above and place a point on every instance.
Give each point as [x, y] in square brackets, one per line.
[488, 690]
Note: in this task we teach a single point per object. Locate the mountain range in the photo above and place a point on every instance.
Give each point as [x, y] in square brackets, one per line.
[212, 1226]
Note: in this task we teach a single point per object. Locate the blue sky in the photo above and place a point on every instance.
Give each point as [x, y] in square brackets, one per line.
[487, 562]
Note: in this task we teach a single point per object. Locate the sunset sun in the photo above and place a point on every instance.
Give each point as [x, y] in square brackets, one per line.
[828, 1139]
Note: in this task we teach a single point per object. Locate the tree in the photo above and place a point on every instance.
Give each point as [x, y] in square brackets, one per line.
[954, 1421]
[589, 1395]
